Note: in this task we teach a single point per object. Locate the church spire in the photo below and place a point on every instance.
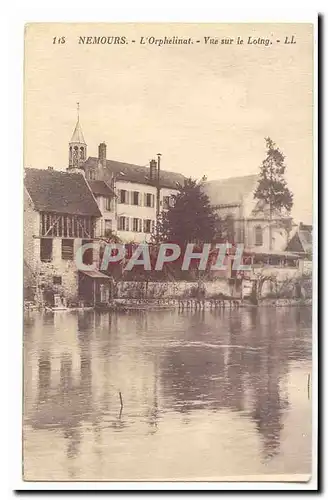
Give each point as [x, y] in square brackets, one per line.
[77, 146]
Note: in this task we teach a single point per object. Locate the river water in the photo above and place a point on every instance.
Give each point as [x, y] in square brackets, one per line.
[206, 395]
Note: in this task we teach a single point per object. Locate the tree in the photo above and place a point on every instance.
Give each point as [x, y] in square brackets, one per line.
[190, 219]
[272, 187]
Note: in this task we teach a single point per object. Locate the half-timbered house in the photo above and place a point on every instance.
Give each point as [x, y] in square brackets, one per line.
[60, 215]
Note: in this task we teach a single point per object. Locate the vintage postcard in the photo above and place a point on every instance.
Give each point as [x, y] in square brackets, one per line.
[168, 248]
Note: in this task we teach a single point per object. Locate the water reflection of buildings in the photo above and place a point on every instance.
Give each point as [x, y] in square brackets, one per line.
[242, 367]
[236, 361]
[65, 403]
[76, 364]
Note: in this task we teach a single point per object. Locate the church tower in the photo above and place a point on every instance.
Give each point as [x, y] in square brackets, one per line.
[77, 147]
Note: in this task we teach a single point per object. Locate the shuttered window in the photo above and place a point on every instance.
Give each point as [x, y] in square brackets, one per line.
[67, 249]
[46, 249]
[149, 200]
[124, 196]
[147, 225]
[123, 223]
[137, 223]
[135, 198]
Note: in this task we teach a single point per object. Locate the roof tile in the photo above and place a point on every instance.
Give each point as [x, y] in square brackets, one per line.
[100, 188]
[136, 173]
[60, 192]
[230, 191]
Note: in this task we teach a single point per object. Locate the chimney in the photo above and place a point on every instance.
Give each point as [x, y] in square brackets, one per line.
[102, 154]
[50, 168]
[153, 170]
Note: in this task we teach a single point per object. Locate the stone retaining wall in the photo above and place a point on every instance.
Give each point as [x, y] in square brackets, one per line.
[178, 289]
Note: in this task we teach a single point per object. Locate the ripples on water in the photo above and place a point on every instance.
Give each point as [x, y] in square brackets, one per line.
[205, 394]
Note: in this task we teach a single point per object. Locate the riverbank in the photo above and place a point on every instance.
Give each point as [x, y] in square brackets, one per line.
[182, 304]
[206, 304]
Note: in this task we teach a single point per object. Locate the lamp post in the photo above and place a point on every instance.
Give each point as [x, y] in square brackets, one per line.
[158, 186]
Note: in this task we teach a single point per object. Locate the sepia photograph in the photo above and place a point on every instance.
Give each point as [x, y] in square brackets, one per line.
[168, 248]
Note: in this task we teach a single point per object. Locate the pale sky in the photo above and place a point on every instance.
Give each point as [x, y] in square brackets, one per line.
[206, 108]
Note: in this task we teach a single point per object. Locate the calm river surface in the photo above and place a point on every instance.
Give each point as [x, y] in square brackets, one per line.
[205, 394]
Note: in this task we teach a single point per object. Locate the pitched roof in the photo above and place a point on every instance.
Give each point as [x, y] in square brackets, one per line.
[78, 134]
[230, 191]
[301, 242]
[306, 240]
[96, 275]
[100, 188]
[136, 173]
[60, 192]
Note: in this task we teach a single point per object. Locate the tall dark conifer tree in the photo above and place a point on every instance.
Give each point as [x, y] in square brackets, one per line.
[191, 219]
[272, 187]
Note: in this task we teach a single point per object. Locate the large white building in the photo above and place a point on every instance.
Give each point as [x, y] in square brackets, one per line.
[129, 196]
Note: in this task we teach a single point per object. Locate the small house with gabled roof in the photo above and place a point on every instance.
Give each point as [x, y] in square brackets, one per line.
[60, 214]
[301, 241]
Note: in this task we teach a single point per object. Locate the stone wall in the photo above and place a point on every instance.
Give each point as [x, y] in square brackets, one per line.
[30, 229]
[69, 278]
[178, 289]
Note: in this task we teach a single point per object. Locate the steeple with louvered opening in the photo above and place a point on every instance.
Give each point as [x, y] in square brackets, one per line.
[77, 147]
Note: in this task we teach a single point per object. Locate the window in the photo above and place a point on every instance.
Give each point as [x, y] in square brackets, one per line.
[229, 224]
[123, 223]
[258, 236]
[147, 226]
[67, 249]
[46, 249]
[149, 200]
[108, 225]
[92, 175]
[75, 156]
[123, 196]
[87, 257]
[137, 225]
[166, 202]
[135, 198]
[57, 280]
[107, 204]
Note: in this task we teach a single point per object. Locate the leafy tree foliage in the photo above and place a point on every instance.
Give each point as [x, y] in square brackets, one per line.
[191, 219]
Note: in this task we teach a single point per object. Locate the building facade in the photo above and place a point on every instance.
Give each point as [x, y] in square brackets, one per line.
[140, 194]
[60, 215]
[129, 196]
[245, 219]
